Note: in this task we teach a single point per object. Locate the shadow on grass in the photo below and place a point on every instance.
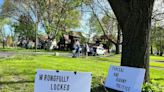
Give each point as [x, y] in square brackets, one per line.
[17, 82]
[98, 85]
[101, 88]
[98, 89]
[19, 74]
[159, 79]
[160, 61]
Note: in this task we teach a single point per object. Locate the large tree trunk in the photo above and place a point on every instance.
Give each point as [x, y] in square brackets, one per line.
[135, 47]
[134, 17]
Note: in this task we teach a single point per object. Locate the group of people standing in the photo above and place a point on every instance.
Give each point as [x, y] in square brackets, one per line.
[88, 50]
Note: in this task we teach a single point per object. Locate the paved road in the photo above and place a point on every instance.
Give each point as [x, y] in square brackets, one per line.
[6, 54]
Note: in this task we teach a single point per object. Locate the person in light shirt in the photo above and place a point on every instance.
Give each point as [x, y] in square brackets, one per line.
[76, 49]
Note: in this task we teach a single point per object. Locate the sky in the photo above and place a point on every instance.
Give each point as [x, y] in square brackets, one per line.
[1, 1]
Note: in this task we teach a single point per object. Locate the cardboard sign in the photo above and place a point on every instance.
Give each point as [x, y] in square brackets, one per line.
[125, 79]
[62, 81]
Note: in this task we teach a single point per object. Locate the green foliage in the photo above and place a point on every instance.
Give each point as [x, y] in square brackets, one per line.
[6, 7]
[87, 2]
[60, 16]
[25, 27]
[106, 21]
[152, 87]
[157, 38]
[72, 19]
[157, 58]
[95, 25]
[3, 22]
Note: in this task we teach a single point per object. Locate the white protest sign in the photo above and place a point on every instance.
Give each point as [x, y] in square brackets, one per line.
[126, 79]
[62, 81]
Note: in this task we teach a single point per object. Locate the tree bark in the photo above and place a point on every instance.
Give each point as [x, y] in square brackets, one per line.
[161, 50]
[151, 50]
[117, 45]
[36, 29]
[161, 53]
[3, 44]
[134, 17]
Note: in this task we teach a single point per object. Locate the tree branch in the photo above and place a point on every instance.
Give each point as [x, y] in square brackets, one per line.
[121, 10]
[101, 26]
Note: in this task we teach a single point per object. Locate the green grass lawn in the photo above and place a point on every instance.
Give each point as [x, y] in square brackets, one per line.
[157, 58]
[17, 72]
[117, 59]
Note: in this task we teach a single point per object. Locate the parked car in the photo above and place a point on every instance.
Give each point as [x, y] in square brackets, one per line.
[100, 51]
